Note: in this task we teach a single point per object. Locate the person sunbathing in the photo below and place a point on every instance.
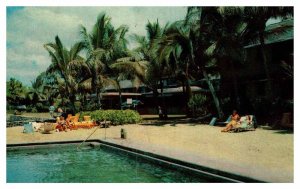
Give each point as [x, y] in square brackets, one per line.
[235, 118]
[249, 120]
[61, 124]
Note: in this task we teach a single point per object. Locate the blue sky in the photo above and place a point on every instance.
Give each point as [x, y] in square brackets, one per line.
[28, 28]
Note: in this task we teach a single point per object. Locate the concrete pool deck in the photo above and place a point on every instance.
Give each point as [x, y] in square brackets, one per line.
[265, 155]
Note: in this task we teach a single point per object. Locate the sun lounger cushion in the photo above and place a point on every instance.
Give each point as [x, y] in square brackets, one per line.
[245, 125]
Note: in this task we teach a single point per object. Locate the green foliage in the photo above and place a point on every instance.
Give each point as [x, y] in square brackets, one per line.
[77, 105]
[117, 117]
[16, 92]
[197, 100]
[86, 113]
[40, 107]
[198, 104]
[34, 110]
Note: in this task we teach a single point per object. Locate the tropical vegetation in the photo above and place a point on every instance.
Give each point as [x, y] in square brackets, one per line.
[207, 44]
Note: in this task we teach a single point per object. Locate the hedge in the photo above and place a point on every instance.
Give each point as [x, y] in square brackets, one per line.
[117, 117]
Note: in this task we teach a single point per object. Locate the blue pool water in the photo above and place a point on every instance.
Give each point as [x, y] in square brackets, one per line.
[66, 164]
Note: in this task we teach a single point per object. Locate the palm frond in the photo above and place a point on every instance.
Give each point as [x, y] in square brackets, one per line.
[75, 50]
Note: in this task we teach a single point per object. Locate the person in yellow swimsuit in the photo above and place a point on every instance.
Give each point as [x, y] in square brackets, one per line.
[235, 118]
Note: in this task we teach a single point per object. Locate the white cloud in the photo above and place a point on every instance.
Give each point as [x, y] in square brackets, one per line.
[29, 28]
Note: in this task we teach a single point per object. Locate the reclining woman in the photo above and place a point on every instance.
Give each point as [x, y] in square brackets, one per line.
[235, 118]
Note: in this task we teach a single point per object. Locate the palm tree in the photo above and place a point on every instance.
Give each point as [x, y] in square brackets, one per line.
[185, 48]
[15, 92]
[147, 51]
[176, 50]
[104, 45]
[227, 49]
[64, 64]
[129, 68]
[36, 91]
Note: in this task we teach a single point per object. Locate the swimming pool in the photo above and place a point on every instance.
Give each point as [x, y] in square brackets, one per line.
[101, 164]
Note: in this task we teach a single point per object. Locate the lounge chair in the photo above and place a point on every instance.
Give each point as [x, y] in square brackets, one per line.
[214, 121]
[247, 123]
[87, 123]
[71, 121]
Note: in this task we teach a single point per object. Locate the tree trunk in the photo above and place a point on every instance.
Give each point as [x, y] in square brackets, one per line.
[161, 87]
[120, 98]
[188, 95]
[235, 86]
[188, 90]
[155, 96]
[184, 92]
[98, 98]
[72, 102]
[214, 95]
[269, 88]
[120, 93]
[164, 107]
[83, 102]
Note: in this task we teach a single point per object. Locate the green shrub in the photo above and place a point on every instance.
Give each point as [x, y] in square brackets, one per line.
[40, 107]
[87, 113]
[34, 110]
[77, 105]
[117, 117]
[198, 104]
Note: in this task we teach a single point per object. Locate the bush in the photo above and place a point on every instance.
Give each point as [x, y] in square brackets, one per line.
[87, 113]
[34, 110]
[41, 107]
[117, 117]
[198, 104]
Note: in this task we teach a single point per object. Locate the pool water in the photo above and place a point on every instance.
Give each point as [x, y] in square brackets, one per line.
[67, 164]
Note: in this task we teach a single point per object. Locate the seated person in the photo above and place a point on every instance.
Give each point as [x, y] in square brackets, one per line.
[61, 122]
[62, 113]
[235, 118]
[249, 120]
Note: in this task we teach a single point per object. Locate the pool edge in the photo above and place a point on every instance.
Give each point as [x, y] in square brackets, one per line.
[225, 175]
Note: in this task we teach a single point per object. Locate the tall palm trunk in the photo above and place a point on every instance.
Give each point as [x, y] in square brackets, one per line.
[214, 95]
[72, 99]
[155, 96]
[164, 106]
[188, 95]
[235, 85]
[184, 92]
[162, 100]
[120, 94]
[266, 67]
[98, 94]
[188, 90]
[83, 102]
